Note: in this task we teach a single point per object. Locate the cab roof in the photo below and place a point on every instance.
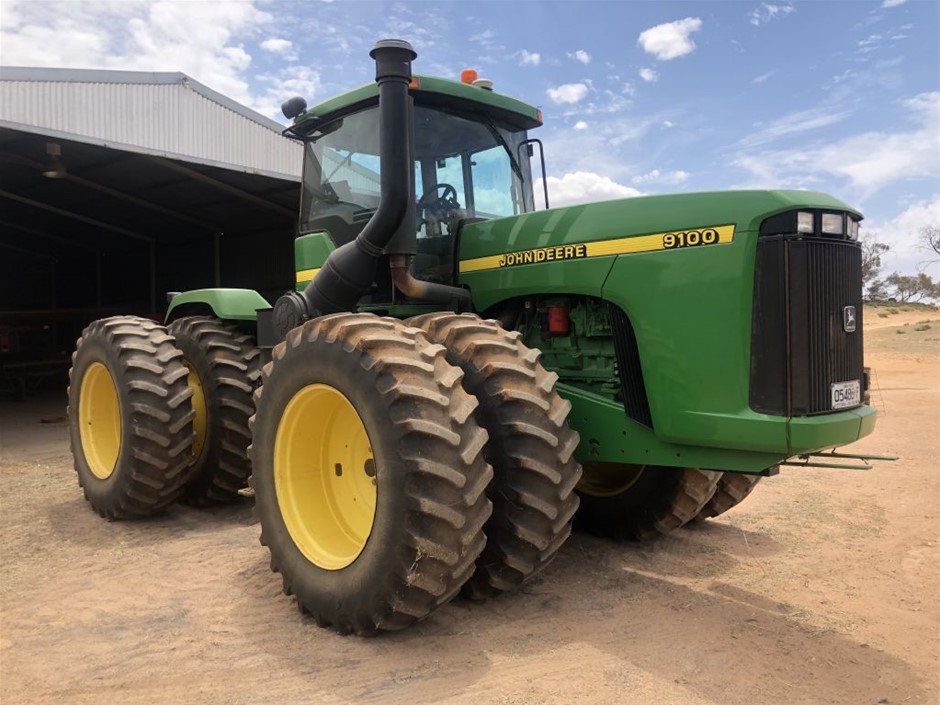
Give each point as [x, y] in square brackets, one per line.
[428, 91]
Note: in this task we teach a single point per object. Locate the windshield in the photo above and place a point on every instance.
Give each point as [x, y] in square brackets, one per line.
[464, 168]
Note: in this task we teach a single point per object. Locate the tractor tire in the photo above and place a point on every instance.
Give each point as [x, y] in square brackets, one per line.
[733, 488]
[368, 471]
[641, 502]
[530, 447]
[130, 417]
[224, 369]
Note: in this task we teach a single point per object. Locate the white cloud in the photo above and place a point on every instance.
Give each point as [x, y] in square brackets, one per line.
[277, 46]
[668, 123]
[763, 77]
[582, 56]
[870, 43]
[482, 37]
[794, 123]
[867, 162]
[528, 58]
[902, 233]
[662, 177]
[603, 102]
[648, 75]
[485, 40]
[892, 3]
[767, 12]
[293, 80]
[193, 37]
[580, 125]
[925, 106]
[584, 187]
[889, 63]
[670, 40]
[604, 147]
[568, 93]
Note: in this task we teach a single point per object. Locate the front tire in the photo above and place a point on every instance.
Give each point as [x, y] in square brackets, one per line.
[641, 502]
[224, 368]
[130, 417]
[530, 447]
[368, 472]
[733, 488]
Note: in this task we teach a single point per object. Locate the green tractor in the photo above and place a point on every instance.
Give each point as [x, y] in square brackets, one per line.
[454, 374]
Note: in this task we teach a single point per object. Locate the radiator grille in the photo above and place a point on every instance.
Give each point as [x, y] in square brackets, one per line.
[800, 347]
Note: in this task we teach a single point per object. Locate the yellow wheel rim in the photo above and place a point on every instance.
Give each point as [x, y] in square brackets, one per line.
[609, 479]
[99, 420]
[324, 476]
[199, 407]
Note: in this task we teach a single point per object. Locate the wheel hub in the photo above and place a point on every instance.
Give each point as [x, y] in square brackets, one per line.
[324, 476]
[200, 420]
[99, 420]
[609, 479]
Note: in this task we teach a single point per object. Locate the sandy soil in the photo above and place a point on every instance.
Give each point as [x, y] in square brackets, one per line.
[820, 588]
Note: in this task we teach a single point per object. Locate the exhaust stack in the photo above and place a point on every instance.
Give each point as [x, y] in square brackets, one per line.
[350, 269]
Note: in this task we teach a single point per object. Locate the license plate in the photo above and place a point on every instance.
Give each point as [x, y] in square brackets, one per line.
[846, 394]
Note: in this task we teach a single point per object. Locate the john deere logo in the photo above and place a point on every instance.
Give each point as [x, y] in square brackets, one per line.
[848, 319]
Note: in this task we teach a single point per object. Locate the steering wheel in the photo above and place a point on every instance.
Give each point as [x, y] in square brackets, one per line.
[439, 205]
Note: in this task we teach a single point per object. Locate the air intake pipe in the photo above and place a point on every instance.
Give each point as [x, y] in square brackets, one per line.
[350, 269]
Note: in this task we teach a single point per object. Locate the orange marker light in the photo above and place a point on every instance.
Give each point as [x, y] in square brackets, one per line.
[468, 76]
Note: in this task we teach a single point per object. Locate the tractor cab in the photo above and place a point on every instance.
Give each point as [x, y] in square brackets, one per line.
[470, 162]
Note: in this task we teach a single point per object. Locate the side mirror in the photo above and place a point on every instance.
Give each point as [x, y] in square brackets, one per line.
[293, 107]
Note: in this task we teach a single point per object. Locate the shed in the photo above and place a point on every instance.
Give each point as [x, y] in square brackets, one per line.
[117, 187]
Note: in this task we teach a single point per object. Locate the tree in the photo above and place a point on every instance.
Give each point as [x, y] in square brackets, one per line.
[930, 241]
[872, 250]
[905, 288]
[930, 235]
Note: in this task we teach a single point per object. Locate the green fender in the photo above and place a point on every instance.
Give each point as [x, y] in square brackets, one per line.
[226, 304]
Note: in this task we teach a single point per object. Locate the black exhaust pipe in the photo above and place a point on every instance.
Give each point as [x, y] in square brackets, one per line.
[350, 269]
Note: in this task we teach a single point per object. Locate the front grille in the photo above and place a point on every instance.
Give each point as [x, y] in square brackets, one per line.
[799, 345]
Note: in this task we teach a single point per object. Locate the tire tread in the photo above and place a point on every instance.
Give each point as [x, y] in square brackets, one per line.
[150, 474]
[530, 447]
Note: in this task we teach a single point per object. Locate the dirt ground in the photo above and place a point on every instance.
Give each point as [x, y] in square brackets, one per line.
[821, 588]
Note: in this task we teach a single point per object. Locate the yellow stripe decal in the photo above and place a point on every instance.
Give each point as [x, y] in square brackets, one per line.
[680, 239]
[306, 275]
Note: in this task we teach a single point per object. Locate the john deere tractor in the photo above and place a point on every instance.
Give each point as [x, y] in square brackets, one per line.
[454, 372]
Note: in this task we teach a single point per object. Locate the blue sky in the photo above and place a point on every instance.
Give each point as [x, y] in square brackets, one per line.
[638, 97]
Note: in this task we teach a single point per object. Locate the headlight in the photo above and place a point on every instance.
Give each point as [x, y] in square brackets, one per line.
[833, 223]
[804, 222]
[852, 230]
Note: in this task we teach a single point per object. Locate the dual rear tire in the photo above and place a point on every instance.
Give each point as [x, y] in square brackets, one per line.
[530, 446]
[369, 478]
[223, 370]
[412, 461]
[130, 417]
[158, 415]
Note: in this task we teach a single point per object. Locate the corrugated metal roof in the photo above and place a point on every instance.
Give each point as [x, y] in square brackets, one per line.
[168, 114]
